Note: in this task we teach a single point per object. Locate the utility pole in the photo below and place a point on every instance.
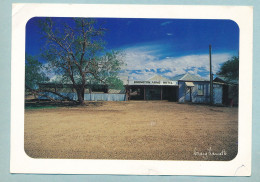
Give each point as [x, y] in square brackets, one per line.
[210, 75]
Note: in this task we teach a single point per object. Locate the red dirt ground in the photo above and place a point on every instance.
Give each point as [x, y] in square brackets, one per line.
[146, 130]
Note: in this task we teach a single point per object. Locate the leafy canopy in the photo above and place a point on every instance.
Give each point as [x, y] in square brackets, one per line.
[230, 69]
[33, 72]
[75, 50]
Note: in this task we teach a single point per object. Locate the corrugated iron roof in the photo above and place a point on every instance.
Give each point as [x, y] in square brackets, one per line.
[225, 80]
[177, 77]
[158, 78]
[188, 77]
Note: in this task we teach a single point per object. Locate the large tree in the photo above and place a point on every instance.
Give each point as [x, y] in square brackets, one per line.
[230, 69]
[75, 50]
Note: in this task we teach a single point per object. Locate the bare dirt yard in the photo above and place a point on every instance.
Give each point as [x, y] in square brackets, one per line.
[147, 130]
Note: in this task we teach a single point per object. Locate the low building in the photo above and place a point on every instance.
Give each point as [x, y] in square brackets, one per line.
[230, 90]
[93, 92]
[185, 88]
[181, 88]
[155, 88]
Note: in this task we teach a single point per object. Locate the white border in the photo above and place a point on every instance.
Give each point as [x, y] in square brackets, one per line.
[21, 163]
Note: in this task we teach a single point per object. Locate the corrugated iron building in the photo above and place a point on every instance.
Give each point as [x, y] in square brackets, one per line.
[230, 90]
[155, 88]
[181, 88]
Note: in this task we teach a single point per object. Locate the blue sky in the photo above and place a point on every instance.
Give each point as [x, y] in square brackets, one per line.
[160, 46]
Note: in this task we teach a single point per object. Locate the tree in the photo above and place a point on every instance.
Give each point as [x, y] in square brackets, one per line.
[33, 72]
[75, 50]
[230, 69]
[34, 75]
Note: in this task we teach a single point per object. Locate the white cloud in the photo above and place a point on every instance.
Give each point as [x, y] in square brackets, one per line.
[142, 62]
[146, 61]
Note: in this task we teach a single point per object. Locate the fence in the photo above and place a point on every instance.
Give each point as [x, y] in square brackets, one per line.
[89, 97]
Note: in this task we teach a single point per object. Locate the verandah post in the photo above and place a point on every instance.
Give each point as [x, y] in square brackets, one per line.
[144, 92]
[161, 92]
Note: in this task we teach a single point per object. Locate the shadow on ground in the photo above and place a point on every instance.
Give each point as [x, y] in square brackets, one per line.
[40, 104]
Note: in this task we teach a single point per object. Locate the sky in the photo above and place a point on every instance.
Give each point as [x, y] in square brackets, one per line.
[167, 47]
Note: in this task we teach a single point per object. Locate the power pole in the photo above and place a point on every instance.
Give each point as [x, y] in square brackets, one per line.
[211, 79]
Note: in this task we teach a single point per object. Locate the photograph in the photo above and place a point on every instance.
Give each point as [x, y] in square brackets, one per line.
[121, 88]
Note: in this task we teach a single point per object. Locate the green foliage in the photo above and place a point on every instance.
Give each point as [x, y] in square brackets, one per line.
[115, 83]
[33, 72]
[75, 51]
[109, 66]
[230, 69]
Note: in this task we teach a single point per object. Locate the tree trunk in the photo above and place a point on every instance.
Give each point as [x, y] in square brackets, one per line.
[80, 94]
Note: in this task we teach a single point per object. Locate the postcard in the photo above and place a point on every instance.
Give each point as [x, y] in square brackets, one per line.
[131, 89]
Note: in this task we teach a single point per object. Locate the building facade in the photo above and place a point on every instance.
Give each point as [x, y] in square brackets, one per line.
[155, 88]
[230, 90]
[186, 88]
[182, 88]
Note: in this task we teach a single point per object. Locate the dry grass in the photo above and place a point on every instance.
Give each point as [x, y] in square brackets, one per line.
[148, 130]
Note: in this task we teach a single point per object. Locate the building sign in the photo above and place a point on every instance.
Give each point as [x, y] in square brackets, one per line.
[137, 82]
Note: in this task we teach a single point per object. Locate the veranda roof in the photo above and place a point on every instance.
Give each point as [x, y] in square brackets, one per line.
[189, 84]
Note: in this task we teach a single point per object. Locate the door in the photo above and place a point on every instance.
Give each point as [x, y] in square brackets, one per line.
[188, 95]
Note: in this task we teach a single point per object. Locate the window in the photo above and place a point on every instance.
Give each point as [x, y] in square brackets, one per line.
[200, 89]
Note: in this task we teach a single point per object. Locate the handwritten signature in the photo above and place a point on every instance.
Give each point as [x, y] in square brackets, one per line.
[209, 152]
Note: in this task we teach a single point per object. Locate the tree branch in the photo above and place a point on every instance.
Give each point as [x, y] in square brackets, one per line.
[38, 92]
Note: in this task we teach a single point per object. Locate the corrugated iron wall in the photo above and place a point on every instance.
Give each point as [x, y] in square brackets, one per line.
[89, 97]
[104, 97]
[205, 98]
